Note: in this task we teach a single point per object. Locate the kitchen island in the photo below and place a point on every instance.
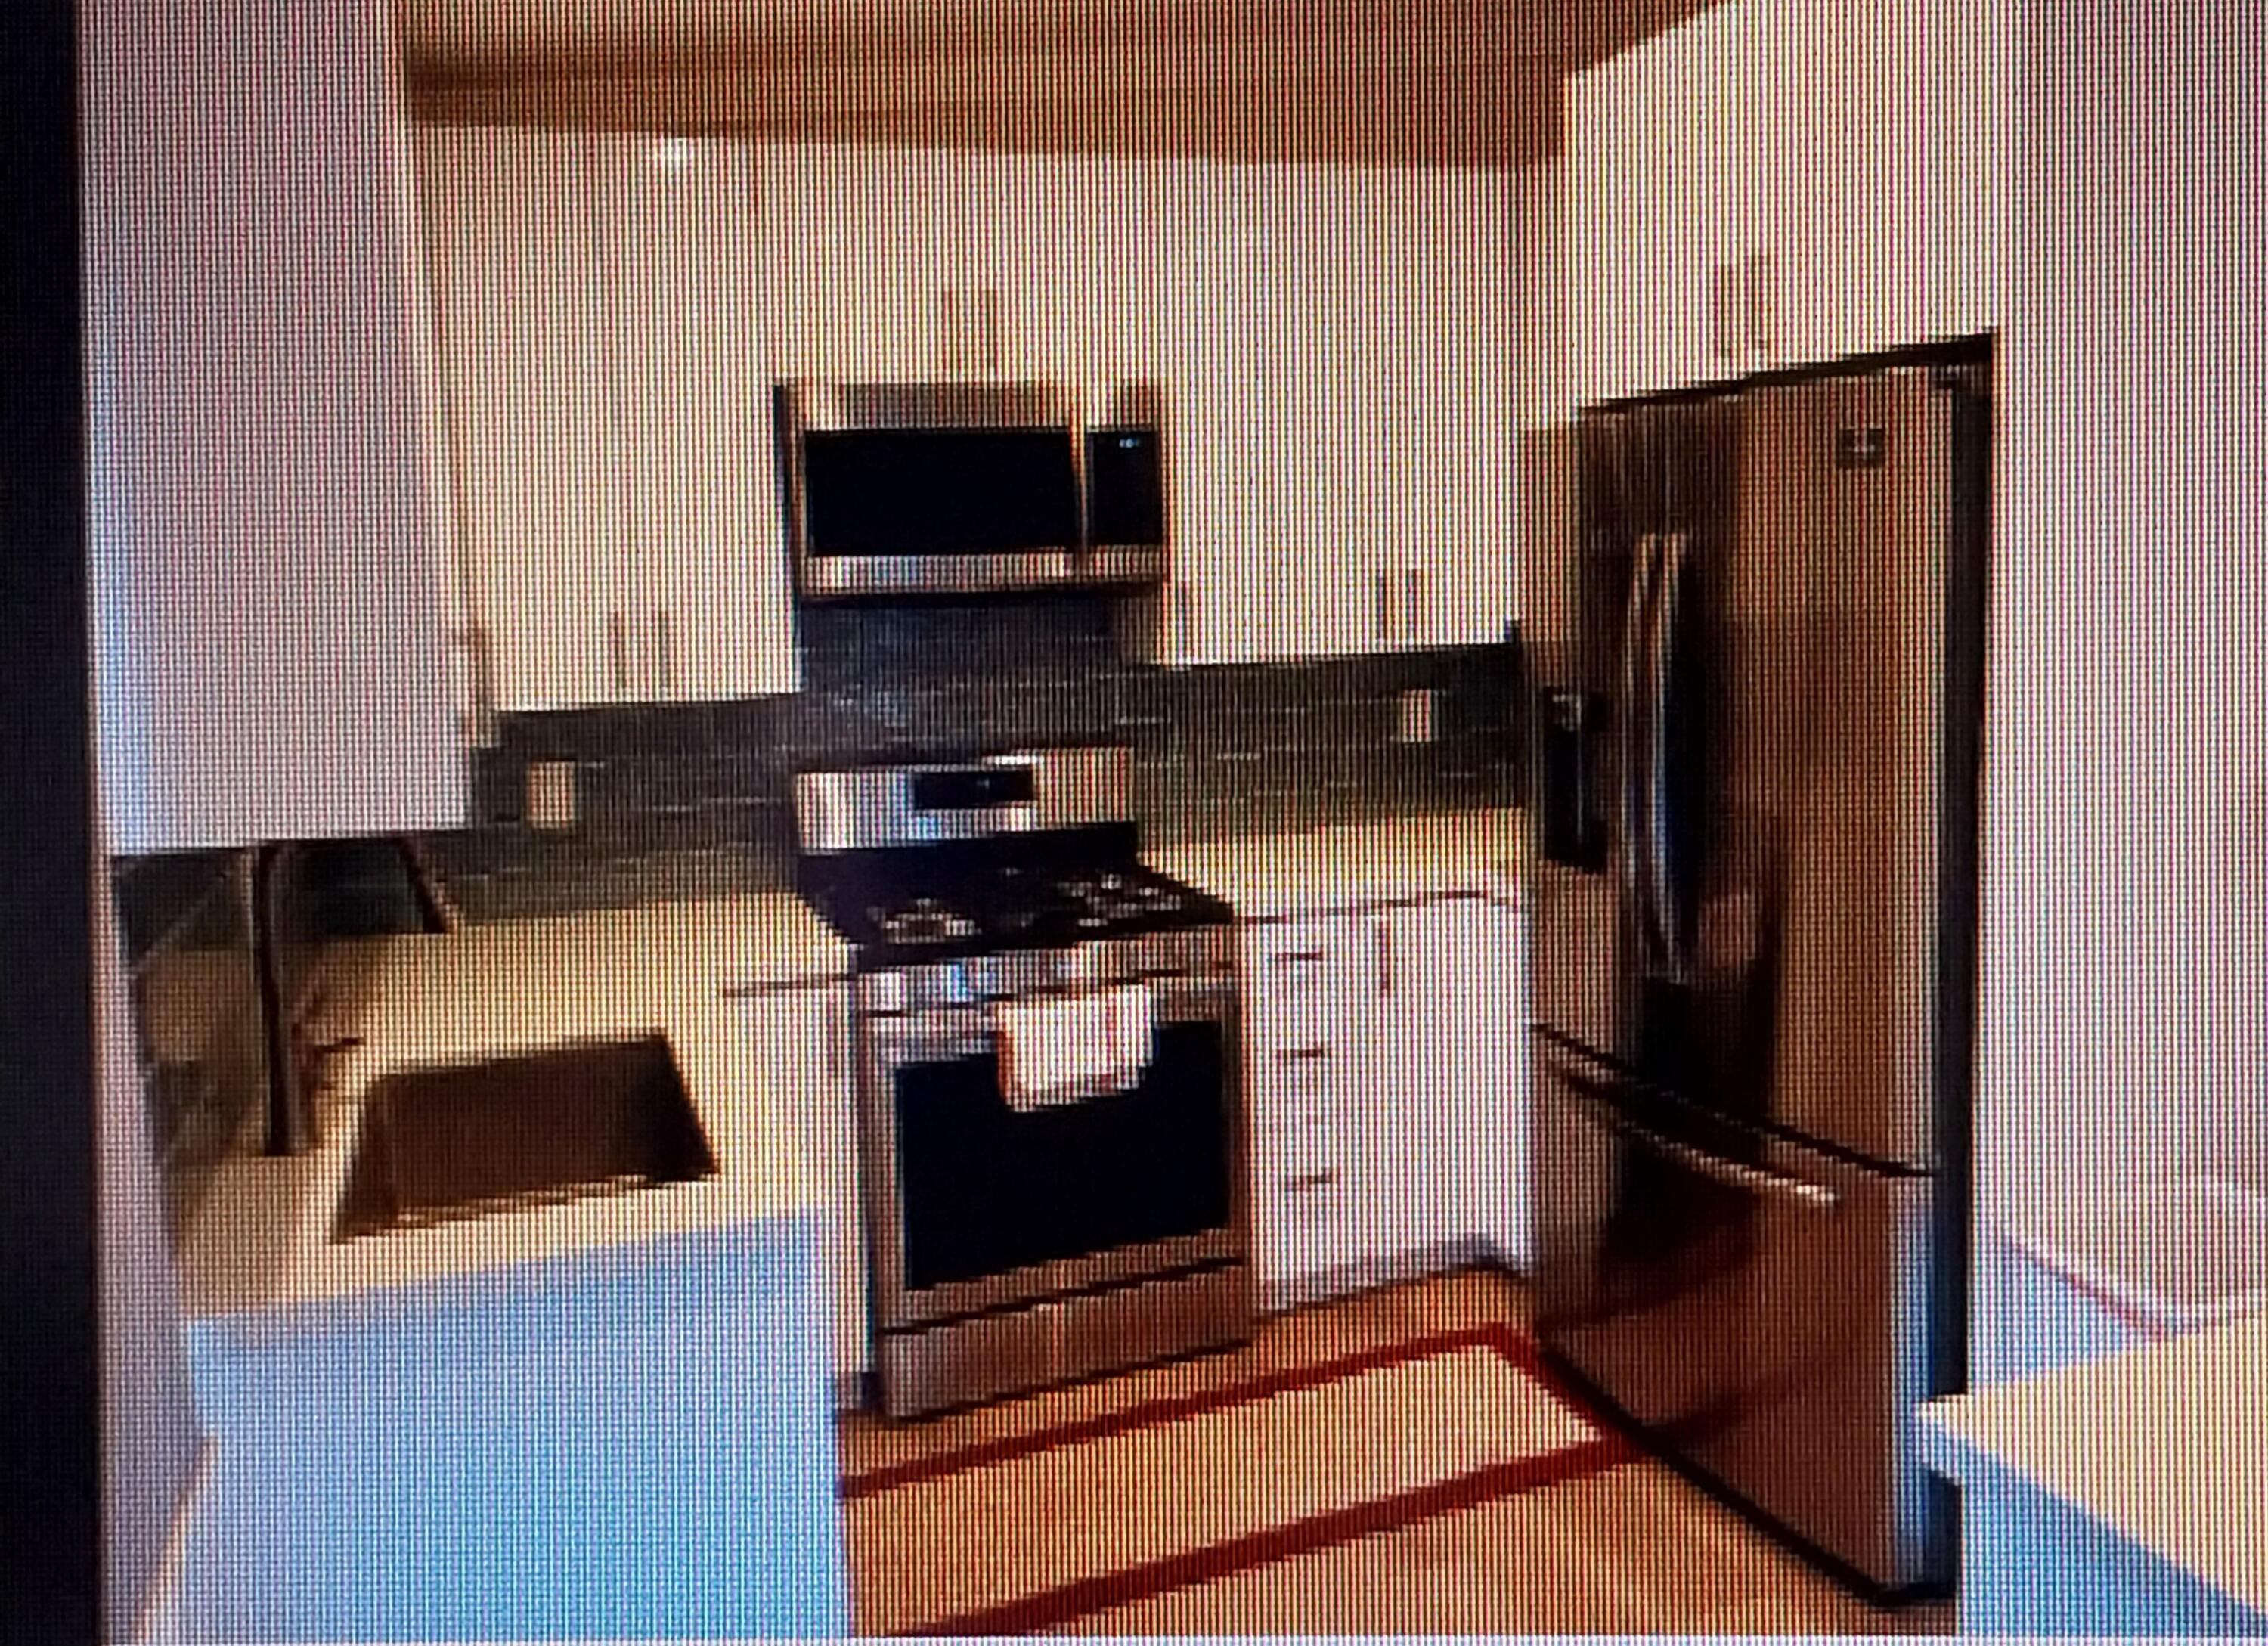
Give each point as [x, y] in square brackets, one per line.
[2124, 1494]
[633, 1442]
[606, 1418]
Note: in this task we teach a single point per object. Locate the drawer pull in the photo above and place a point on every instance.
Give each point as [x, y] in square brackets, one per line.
[1310, 1180]
[1298, 957]
[1303, 1054]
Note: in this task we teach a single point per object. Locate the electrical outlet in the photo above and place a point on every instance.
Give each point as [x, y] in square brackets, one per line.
[1417, 713]
[551, 795]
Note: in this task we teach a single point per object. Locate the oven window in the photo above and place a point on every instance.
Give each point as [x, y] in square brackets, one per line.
[940, 491]
[987, 1190]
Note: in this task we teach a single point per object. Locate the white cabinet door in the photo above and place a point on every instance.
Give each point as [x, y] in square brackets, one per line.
[801, 1050]
[272, 658]
[519, 272]
[1912, 111]
[854, 266]
[610, 414]
[1451, 1055]
[703, 592]
[1679, 213]
[1782, 180]
[1234, 592]
[1439, 417]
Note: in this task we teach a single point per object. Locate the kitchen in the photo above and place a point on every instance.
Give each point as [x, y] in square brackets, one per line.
[547, 337]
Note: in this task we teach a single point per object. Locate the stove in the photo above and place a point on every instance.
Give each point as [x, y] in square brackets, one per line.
[1050, 1133]
[900, 914]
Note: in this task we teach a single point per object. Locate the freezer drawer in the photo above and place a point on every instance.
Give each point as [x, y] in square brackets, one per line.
[1763, 1309]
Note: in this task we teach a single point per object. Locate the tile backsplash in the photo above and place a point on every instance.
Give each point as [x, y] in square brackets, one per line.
[185, 921]
[689, 799]
[693, 800]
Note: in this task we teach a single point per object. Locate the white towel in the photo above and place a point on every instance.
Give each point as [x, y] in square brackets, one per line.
[1069, 1047]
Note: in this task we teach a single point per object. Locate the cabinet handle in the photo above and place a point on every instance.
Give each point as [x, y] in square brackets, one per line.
[1309, 1180]
[1761, 269]
[1384, 936]
[1416, 578]
[1304, 1054]
[1725, 303]
[1297, 957]
[481, 728]
[665, 653]
[1385, 608]
[619, 647]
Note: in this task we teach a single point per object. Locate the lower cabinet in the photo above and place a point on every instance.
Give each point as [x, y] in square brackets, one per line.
[1385, 1093]
[800, 1035]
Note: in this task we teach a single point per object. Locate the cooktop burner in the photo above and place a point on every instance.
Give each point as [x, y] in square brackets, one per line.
[922, 920]
[931, 862]
[1102, 896]
[1011, 906]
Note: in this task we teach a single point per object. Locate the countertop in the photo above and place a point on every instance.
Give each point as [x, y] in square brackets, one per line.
[2163, 1445]
[1356, 865]
[262, 1236]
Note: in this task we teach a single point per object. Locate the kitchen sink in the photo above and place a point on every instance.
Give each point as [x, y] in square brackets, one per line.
[560, 1124]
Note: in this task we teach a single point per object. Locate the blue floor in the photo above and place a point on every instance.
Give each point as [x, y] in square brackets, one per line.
[633, 1444]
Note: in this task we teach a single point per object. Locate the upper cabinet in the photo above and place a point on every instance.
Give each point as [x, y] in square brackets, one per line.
[707, 612]
[1337, 343]
[597, 316]
[266, 532]
[1666, 195]
[1912, 170]
[1331, 343]
[1779, 182]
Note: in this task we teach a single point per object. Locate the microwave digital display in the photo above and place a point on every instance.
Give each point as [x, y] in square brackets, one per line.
[874, 492]
[1125, 488]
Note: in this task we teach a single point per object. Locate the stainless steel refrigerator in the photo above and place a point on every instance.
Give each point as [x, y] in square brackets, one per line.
[1759, 695]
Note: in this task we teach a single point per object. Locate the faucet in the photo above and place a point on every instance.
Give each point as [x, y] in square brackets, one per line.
[291, 1128]
[296, 1058]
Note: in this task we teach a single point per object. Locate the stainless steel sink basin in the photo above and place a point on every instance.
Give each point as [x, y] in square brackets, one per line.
[597, 1118]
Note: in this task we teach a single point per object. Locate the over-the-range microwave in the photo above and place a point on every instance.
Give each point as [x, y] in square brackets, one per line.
[899, 489]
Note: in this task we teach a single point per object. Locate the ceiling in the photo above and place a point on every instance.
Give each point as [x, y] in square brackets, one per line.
[1389, 82]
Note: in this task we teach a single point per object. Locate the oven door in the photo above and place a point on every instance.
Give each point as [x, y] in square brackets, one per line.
[972, 1205]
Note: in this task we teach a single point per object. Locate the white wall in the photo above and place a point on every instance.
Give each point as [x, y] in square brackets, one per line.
[2126, 1030]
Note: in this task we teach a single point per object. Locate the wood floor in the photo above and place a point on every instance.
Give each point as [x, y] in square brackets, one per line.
[1635, 1550]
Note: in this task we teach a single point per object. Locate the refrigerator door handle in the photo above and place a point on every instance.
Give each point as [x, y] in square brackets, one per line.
[1661, 638]
[1583, 1087]
[1636, 794]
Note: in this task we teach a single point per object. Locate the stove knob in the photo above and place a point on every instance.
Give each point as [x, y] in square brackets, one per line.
[980, 977]
[938, 986]
[884, 991]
